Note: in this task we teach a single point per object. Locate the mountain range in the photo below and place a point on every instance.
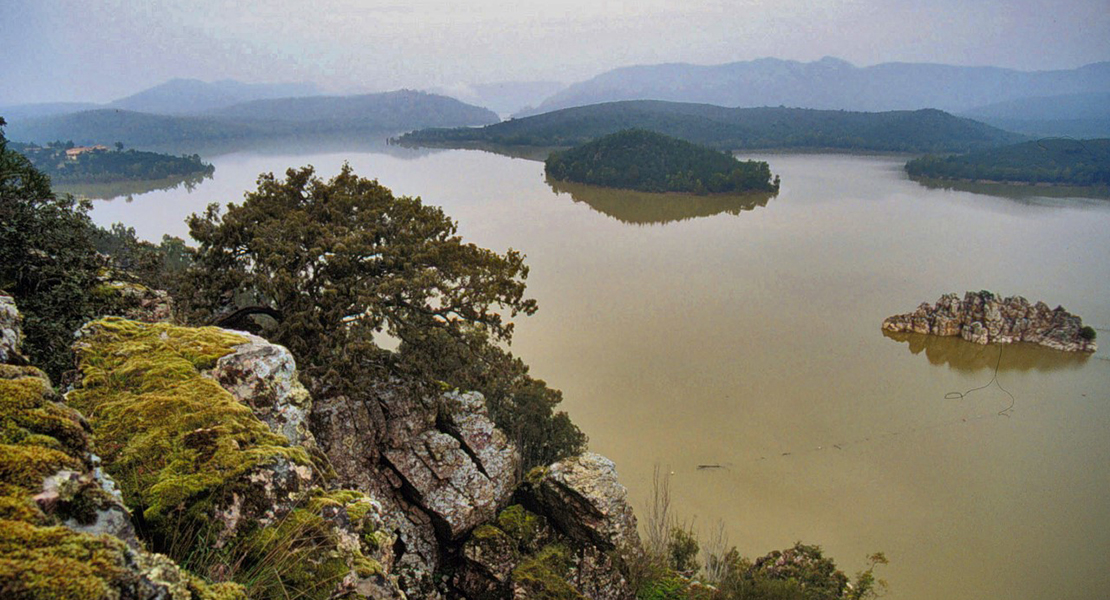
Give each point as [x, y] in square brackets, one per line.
[829, 83]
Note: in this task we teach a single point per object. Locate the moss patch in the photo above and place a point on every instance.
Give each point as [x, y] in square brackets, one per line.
[544, 575]
[39, 558]
[520, 524]
[180, 447]
[172, 438]
[305, 554]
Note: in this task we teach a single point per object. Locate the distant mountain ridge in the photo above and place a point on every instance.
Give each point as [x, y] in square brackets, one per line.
[505, 97]
[395, 111]
[735, 128]
[829, 83]
[1085, 115]
[191, 96]
[385, 113]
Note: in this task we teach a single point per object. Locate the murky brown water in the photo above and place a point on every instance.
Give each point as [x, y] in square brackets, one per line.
[745, 333]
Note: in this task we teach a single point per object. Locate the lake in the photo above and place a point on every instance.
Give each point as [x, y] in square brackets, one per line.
[745, 333]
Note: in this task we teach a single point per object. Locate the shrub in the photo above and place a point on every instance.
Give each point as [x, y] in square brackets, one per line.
[1088, 333]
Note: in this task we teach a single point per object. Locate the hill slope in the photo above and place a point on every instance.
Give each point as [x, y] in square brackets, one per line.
[377, 113]
[829, 83]
[1069, 115]
[1055, 161]
[182, 96]
[737, 128]
[636, 159]
[389, 111]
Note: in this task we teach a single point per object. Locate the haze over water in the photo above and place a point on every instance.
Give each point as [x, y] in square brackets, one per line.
[750, 338]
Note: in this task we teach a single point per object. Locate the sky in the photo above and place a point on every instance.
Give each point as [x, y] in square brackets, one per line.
[100, 50]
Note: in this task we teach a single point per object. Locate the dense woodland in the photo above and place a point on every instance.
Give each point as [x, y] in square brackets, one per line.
[108, 166]
[736, 128]
[637, 159]
[1051, 161]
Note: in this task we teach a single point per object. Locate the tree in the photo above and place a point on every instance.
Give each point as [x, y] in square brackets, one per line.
[344, 261]
[47, 260]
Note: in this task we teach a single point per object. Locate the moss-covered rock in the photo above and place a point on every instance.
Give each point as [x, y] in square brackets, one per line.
[63, 535]
[544, 575]
[217, 488]
[182, 448]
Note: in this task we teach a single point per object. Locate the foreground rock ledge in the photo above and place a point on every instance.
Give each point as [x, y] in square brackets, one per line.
[985, 318]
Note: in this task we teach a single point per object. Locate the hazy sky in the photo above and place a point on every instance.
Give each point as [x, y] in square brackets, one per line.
[99, 50]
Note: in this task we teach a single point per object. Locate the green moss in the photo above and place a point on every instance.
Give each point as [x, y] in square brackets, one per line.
[26, 409]
[520, 524]
[39, 558]
[172, 438]
[56, 562]
[487, 532]
[302, 555]
[544, 574]
[536, 475]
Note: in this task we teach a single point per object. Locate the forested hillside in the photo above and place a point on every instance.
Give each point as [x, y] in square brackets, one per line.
[736, 128]
[1055, 161]
[107, 166]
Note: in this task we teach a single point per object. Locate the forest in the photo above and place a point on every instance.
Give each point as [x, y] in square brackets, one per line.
[646, 161]
[102, 165]
[1049, 161]
[736, 128]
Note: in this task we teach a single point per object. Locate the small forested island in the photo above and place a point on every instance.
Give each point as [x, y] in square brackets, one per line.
[67, 163]
[1048, 161]
[637, 159]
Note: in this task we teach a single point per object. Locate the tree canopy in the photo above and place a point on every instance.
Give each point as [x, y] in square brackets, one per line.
[344, 261]
[47, 260]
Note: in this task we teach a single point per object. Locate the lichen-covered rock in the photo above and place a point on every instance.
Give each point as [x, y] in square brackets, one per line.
[527, 555]
[460, 469]
[264, 377]
[134, 301]
[437, 463]
[984, 318]
[216, 485]
[11, 332]
[583, 498]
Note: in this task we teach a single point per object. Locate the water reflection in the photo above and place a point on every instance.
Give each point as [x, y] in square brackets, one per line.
[644, 208]
[1035, 195]
[962, 355]
[535, 153]
[299, 143]
[130, 189]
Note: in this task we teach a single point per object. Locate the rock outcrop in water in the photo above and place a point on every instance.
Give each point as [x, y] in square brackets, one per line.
[984, 318]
